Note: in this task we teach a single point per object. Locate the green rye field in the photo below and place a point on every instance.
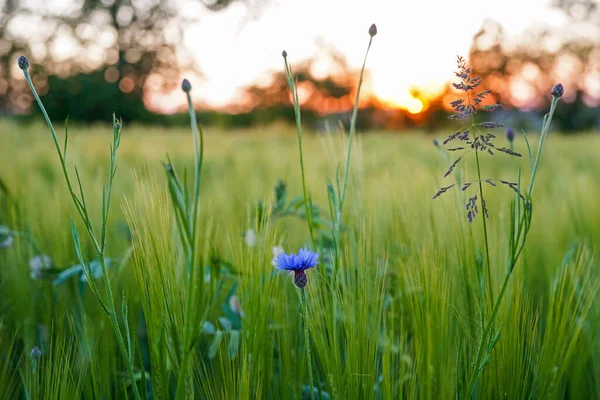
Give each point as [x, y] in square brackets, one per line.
[400, 313]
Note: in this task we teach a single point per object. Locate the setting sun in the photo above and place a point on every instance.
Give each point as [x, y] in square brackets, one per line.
[414, 106]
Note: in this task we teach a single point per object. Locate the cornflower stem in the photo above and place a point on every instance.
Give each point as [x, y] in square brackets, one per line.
[191, 252]
[545, 129]
[307, 344]
[338, 205]
[307, 202]
[99, 247]
[353, 130]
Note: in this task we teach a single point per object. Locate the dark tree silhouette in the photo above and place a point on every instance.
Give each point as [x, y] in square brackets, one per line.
[113, 44]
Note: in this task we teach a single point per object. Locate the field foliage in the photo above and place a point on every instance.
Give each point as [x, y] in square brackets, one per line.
[396, 314]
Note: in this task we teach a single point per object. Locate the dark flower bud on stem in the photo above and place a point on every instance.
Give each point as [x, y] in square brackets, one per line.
[284, 54]
[558, 90]
[36, 353]
[300, 279]
[186, 86]
[373, 30]
[510, 134]
[23, 62]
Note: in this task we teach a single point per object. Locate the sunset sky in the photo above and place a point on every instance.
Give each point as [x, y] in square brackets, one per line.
[416, 45]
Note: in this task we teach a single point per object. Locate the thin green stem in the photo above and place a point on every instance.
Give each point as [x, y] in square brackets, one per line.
[341, 195]
[538, 156]
[307, 345]
[191, 252]
[485, 232]
[78, 205]
[483, 208]
[353, 129]
[99, 248]
[307, 202]
[524, 223]
[485, 336]
[112, 315]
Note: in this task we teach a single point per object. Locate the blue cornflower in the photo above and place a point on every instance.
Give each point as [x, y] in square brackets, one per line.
[298, 263]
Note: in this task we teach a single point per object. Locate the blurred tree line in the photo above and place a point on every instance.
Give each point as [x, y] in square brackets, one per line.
[117, 45]
[97, 55]
[521, 73]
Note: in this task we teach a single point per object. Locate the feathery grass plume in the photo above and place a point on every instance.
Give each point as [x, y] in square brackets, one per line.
[479, 141]
[472, 137]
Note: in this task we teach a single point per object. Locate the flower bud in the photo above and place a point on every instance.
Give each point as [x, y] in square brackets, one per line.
[510, 134]
[558, 90]
[186, 86]
[35, 353]
[23, 62]
[300, 279]
[284, 54]
[373, 30]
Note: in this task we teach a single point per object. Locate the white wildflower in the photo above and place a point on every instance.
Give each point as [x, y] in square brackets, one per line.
[38, 264]
[236, 306]
[277, 250]
[6, 237]
[250, 237]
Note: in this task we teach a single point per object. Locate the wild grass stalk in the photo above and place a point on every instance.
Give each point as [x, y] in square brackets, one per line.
[520, 224]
